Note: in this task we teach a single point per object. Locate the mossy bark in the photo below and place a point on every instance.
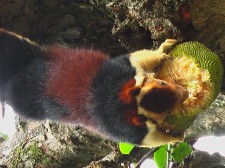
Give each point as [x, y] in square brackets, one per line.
[115, 27]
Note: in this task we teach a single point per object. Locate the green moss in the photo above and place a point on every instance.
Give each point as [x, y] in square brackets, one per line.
[31, 156]
[3, 137]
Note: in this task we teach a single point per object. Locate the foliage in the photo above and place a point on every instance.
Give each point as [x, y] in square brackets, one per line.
[160, 156]
[125, 148]
[31, 156]
[164, 154]
[181, 152]
[167, 153]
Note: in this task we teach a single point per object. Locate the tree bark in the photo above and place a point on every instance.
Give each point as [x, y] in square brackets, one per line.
[115, 27]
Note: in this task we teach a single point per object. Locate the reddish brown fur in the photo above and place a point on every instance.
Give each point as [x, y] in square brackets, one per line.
[132, 118]
[70, 78]
[129, 91]
[127, 96]
[139, 120]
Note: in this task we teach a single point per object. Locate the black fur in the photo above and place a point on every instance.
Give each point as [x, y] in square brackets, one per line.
[107, 109]
[23, 70]
[15, 54]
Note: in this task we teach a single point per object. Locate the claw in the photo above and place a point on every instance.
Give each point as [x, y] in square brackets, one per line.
[164, 56]
[165, 46]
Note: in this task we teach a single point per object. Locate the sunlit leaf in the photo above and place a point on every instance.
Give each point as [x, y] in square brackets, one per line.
[125, 148]
[160, 157]
[181, 152]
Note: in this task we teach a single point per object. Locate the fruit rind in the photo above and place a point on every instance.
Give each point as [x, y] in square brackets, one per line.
[198, 61]
[205, 58]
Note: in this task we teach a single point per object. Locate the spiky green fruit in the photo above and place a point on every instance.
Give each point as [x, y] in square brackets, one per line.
[200, 71]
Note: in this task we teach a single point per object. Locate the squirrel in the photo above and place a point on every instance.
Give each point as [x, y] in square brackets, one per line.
[119, 98]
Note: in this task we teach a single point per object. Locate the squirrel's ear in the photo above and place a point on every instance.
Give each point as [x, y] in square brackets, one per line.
[129, 91]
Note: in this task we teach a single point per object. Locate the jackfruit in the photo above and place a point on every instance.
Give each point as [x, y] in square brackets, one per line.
[200, 71]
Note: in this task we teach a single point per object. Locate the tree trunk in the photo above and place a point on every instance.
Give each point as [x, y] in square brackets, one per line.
[115, 27]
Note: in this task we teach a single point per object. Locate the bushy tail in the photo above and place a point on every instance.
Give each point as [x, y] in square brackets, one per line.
[16, 53]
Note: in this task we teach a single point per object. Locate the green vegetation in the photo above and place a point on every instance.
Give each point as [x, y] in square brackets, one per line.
[165, 154]
[30, 156]
[3, 137]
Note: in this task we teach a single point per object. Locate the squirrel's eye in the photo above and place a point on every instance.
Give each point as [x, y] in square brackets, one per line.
[155, 69]
[162, 83]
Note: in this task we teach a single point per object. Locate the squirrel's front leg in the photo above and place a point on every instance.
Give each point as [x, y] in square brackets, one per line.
[144, 61]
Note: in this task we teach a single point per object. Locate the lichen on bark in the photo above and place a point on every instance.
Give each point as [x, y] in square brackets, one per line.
[115, 27]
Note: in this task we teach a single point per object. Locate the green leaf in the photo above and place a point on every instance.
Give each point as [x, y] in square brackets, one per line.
[160, 157]
[125, 148]
[181, 152]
